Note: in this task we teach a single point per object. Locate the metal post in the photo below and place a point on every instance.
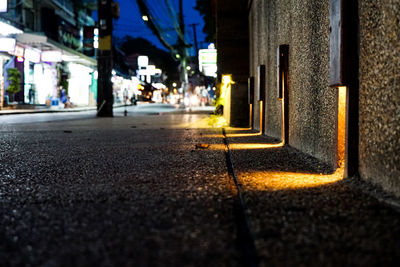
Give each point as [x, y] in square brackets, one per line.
[196, 45]
[104, 60]
[183, 48]
[183, 54]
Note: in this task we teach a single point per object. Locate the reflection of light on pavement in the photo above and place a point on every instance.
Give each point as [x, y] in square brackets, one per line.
[275, 180]
[237, 129]
[232, 135]
[213, 135]
[243, 134]
[238, 146]
[206, 122]
[196, 122]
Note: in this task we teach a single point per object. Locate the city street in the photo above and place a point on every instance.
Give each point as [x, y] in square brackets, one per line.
[156, 188]
[191, 133]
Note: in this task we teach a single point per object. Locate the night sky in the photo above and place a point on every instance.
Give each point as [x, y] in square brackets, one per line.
[131, 23]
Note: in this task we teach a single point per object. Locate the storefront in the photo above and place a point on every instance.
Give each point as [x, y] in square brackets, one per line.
[32, 63]
[7, 54]
[55, 74]
[3, 58]
[80, 82]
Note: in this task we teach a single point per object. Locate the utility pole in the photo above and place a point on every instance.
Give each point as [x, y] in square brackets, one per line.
[104, 60]
[184, 75]
[196, 44]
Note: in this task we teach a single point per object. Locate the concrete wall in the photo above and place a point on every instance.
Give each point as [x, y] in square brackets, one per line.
[304, 26]
[379, 111]
[233, 55]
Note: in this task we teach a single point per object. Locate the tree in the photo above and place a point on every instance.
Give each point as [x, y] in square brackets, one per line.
[14, 80]
[206, 10]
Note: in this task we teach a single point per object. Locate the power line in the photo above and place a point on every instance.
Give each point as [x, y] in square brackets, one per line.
[152, 25]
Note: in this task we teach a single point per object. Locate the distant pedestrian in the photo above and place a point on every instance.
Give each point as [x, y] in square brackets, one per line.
[31, 96]
[63, 96]
[125, 96]
[133, 100]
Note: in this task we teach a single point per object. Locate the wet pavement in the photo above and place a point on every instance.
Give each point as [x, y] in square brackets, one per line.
[141, 191]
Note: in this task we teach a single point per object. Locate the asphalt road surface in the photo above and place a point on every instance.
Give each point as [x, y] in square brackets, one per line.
[77, 190]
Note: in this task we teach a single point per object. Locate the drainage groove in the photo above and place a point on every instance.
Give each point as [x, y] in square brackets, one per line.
[244, 235]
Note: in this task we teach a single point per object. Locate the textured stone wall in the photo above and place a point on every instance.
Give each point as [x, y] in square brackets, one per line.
[304, 26]
[379, 111]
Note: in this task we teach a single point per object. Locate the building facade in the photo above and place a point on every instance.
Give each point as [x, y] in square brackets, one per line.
[51, 53]
[327, 75]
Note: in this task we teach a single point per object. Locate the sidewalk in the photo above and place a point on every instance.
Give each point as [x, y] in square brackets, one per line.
[304, 214]
[44, 109]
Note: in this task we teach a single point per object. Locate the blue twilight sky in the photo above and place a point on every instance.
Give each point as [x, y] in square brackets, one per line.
[130, 23]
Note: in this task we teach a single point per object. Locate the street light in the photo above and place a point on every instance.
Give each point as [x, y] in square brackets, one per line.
[145, 18]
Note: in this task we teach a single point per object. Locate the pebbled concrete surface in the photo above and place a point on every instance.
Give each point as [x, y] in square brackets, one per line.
[303, 214]
[379, 111]
[117, 191]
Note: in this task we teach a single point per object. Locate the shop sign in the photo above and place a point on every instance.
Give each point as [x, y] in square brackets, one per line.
[32, 55]
[207, 56]
[19, 51]
[143, 61]
[96, 38]
[6, 29]
[68, 35]
[88, 40]
[51, 56]
[208, 61]
[7, 45]
[3, 5]
[149, 70]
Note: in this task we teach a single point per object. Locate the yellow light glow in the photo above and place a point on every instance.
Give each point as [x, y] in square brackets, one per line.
[251, 114]
[283, 108]
[243, 134]
[261, 116]
[275, 180]
[213, 135]
[245, 146]
[226, 84]
[226, 79]
[204, 122]
[341, 126]
[145, 18]
[238, 129]
[233, 135]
